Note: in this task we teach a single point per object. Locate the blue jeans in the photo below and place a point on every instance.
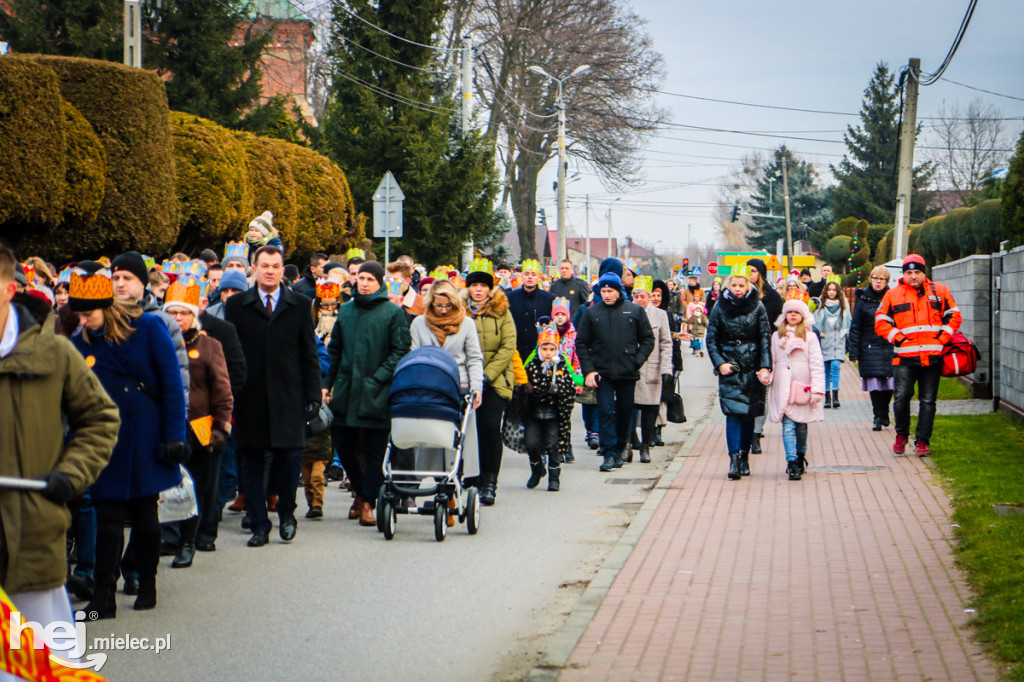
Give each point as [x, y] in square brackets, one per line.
[794, 438]
[832, 375]
[615, 405]
[84, 529]
[591, 419]
[228, 484]
[739, 431]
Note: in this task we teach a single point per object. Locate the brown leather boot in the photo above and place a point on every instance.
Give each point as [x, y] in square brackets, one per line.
[272, 503]
[355, 509]
[366, 517]
[238, 505]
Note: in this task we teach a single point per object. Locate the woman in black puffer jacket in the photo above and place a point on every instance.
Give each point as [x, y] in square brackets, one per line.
[738, 340]
[872, 352]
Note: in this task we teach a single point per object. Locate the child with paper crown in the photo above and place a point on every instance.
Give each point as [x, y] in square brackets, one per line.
[797, 382]
[550, 395]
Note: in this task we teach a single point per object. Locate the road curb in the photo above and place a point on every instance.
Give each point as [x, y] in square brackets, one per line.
[562, 643]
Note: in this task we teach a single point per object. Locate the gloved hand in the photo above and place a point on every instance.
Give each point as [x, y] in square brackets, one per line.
[312, 408]
[668, 387]
[218, 441]
[58, 487]
[177, 452]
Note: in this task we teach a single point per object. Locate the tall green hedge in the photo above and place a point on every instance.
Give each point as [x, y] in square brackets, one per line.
[31, 146]
[212, 175]
[127, 108]
[1013, 197]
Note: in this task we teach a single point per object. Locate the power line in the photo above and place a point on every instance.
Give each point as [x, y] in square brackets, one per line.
[964, 23]
[389, 33]
[987, 92]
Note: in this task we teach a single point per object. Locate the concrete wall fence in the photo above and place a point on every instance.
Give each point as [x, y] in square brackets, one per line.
[989, 290]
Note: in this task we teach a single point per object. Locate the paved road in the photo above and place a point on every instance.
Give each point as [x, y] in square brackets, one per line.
[342, 603]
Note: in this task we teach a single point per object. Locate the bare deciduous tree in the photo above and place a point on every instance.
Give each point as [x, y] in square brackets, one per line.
[969, 140]
[738, 187]
[609, 108]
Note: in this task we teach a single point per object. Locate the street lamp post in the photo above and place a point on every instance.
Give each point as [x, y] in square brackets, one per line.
[560, 107]
[610, 254]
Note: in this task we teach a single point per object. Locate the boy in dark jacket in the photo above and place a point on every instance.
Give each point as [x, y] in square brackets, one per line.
[550, 390]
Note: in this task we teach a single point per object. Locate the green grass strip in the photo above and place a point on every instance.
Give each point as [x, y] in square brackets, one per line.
[950, 388]
[981, 459]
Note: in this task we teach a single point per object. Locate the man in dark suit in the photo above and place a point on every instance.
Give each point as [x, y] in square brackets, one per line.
[281, 392]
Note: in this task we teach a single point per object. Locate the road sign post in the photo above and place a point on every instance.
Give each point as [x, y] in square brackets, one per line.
[387, 212]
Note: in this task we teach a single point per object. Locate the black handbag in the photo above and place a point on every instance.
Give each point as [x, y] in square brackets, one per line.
[674, 411]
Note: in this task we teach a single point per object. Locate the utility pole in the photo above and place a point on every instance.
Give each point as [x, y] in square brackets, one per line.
[468, 248]
[588, 236]
[908, 133]
[789, 229]
[560, 106]
[133, 33]
[610, 254]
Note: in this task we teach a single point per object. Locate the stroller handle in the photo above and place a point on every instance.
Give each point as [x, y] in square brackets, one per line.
[14, 483]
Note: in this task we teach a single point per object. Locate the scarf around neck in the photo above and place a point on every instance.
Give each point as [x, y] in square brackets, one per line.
[443, 326]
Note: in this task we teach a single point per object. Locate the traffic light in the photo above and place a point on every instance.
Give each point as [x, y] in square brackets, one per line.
[735, 212]
[686, 266]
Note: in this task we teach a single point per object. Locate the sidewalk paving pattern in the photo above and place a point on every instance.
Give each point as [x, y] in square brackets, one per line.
[845, 575]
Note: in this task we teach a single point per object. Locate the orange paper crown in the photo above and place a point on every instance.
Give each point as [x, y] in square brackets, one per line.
[183, 292]
[91, 289]
[548, 334]
[327, 289]
[794, 295]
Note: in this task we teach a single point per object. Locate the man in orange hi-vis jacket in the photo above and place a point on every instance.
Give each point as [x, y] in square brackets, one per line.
[919, 317]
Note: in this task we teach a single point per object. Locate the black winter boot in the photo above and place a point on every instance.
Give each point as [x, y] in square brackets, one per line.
[147, 594]
[553, 475]
[488, 487]
[537, 471]
[645, 454]
[828, 400]
[627, 456]
[103, 604]
[187, 551]
[835, 400]
[755, 444]
[744, 464]
[734, 466]
[793, 470]
[657, 441]
[609, 462]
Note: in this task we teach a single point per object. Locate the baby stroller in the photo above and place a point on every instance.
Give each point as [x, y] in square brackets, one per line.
[429, 416]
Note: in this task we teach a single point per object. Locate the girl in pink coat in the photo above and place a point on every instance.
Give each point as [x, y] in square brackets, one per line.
[797, 383]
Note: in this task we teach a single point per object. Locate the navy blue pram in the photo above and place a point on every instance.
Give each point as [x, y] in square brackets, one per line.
[429, 418]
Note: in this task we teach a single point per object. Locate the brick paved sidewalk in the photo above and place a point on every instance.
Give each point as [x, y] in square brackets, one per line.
[845, 575]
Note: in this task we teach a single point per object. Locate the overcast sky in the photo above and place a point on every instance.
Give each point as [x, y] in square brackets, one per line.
[813, 54]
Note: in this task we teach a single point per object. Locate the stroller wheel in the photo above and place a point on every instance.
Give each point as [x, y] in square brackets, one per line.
[472, 511]
[386, 518]
[440, 522]
[381, 504]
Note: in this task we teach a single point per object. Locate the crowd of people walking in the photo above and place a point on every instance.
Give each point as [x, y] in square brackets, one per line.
[254, 379]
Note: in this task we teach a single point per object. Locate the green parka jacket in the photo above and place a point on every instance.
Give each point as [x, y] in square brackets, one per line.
[370, 336]
[43, 379]
[497, 332]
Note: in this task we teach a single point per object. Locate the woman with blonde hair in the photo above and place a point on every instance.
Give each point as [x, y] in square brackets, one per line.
[133, 356]
[444, 323]
[872, 353]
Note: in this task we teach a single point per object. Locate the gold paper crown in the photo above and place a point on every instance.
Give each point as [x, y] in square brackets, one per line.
[740, 271]
[236, 250]
[548, 334]
[183, 291]
[438, 274]
[327, 289]
[834, 278]
[482, 265]
[643, 283]
[96, 287]
[794, 295]
[355, 253]
[531, 265]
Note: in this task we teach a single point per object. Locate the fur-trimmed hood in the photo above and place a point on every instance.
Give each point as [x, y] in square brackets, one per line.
[496, 305]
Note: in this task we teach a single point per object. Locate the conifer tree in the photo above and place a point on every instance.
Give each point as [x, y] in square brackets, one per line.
[867, 173]
[394, 111]
[809, 204]
[72, 28]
